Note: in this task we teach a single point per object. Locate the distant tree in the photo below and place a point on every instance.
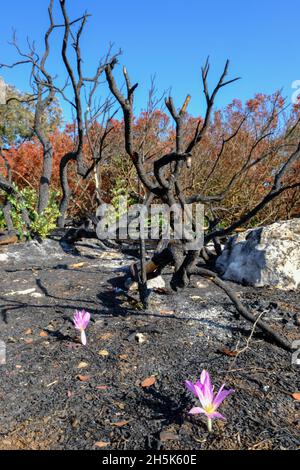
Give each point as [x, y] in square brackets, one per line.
[16, 118]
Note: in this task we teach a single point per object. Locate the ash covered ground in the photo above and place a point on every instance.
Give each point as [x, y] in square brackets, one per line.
[57, 394]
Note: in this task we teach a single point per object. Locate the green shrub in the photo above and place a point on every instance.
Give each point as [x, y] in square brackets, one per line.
[41, 224]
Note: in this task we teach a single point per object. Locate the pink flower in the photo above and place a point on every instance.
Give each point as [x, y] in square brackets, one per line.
[209, 401]
[81, 320]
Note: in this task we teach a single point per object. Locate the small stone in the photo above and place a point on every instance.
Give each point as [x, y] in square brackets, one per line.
[167, 312]
[20, 292]
[75, 423]
[103, 353]
[148, 382]
[140, 338]
[197, 297]
[201, 284]
[6, 442]
[101, 444]
[82, 365]
[156, 283]
[123, 357]
[83, 378]
[168, 436]
[131, 285]
[106, 336]
[121, 406]
[11, 340]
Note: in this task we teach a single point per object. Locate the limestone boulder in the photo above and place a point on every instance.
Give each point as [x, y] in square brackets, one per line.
[266, 256]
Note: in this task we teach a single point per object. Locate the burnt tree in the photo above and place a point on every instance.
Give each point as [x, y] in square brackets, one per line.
[42, 97]
[163, 181]
[82, 109]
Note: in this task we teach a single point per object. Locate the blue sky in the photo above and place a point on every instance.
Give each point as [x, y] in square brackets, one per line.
[171, 39]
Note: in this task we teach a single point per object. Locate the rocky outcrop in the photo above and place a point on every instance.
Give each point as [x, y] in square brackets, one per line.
[267, 256]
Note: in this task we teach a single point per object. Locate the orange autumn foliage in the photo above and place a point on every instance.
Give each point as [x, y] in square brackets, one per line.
[154, 135]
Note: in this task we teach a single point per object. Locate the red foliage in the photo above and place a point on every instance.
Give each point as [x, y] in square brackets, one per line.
[26, 160]
[154, 136]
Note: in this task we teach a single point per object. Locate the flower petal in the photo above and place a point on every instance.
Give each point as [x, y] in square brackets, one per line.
[199, 384]
[208, 390]
[196, 411]
[86, 318]
[203, 376]
[206, 387]
[216, 415]
[81, 319]
[204, 400]
[221, 395]
[191, 387]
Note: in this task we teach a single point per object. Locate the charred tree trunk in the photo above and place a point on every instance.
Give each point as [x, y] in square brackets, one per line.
[66, 191]
[78, 83]
[8, 188]
[45, 180]
[6, 208]
[43, 95]
[7, 217]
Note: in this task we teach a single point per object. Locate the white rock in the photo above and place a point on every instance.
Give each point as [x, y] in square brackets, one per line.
[140, 338]
[3, 257]
[36, 295]
[202, 284]
[156, 283]
[266, 256]
[21, 292]
[131, 285]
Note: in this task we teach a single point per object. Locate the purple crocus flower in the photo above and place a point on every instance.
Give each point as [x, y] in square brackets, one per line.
[204, 391]
[81, 320]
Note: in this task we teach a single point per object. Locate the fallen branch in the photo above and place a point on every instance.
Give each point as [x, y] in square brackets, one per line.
[247, 346]
[237, 352]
